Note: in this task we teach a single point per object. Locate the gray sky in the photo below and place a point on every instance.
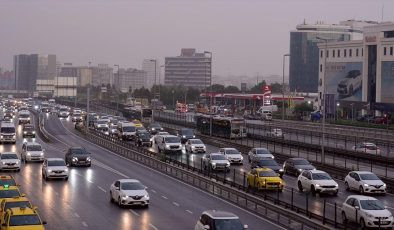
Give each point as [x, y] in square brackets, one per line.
[245, 36]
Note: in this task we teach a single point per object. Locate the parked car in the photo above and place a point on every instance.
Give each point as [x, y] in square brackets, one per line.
[367, 147]
[295, 166]
[317, 181]
[215, 161]
[256, 154]
[78, 156]
[233, 155]
[366, 117]
[364, 182]
[367, 212]
[195, 146]
[219, 220]
[268, 163]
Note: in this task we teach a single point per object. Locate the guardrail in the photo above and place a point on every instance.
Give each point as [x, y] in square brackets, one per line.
[228, 188]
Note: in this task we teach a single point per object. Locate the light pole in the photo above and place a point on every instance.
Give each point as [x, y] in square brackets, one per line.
[173, 99]
[352, 110]
[162, 66]
[210, 89]
[283, 86]
[88, 105]
[117, 100]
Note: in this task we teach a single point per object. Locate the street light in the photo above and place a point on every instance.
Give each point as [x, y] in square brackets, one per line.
[117, 101]
[283, 86]
[88, 105]
[210, 89]
[162, 66]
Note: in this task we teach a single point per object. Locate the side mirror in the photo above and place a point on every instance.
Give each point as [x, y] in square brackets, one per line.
[246, 226]
[206, 227]
[44, 222]
[117, 188]
[357, 207]
[23, 195]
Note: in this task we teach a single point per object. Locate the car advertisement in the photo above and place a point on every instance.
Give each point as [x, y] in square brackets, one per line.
[387, 82]
[344, 80]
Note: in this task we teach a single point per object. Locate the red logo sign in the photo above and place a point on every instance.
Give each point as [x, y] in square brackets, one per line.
[266, 88]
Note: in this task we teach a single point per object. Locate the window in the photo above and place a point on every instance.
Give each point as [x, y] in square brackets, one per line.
[384, 51]
[321, 68]
[321, 53]
[333, 53]
[327, 53]
[356, 52]
[350, 201]
[339, 53]
[391, 51]
[350, 52]
[362, 52]
[344, 52]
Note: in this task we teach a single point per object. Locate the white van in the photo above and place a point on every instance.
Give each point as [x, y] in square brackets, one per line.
[126, 130]
[24, 117]
[7, 132]
[266, 115]
[169, 144]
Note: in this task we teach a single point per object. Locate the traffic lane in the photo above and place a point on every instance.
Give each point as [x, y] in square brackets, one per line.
[174, 192]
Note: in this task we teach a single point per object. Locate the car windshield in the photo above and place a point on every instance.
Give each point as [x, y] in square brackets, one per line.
[301, 162]
[77, 114]
[262, 151]
[196, 141]
[16, 204]
[267, 174]
[9, 156]
[371, 147]
[232, 151]
[321, 176]
[131, 186]
[218, 157]
[129, 129]
[21, 220]
[372, 205]
[78, 151]
[9, 193]
[187, 132]
[9, 182]
[368, 176]
[156, 126]
[28, 128]
[144, 135]
[34, 148]
[7, 129]
[229, 224]
[63, 109]
[56, 163]
[268, 162]
[101, 122]
[24, 115]
[172, 140]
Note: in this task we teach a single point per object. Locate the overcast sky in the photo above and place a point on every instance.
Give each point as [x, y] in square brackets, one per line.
[245, 36]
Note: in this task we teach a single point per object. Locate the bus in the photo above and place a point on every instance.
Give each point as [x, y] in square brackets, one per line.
[226, 127]
[141, 114]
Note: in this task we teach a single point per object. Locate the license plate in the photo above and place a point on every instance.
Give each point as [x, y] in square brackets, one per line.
[384, 222]
[82, 162]
[274, 186]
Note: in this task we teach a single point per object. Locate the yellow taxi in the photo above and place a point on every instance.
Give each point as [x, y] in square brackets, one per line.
[22, 218]
[7, 180]
[8, 191]
[264, 178]
[14, 202]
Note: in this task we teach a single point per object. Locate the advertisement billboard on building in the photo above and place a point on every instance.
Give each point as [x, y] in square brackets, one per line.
[344, 80]
[387, 91]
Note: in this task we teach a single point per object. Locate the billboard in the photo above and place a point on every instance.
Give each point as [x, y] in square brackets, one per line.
[387, 91]
[344, 80]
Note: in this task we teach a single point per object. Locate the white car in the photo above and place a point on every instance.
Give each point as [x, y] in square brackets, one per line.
[9, 161]
[100, 124]
[217, 220]
[364, 182]
[317, 181]
[233, 155]
[195, 146]
[54, 168]
[77, 117]
[256, 154]
[169, 143]
[276, 133]
[367, 147]
[32, 151]
[157, 136]
[113, 130]
[129, 192]
[350, 84]
[215, 161]
[366, 211]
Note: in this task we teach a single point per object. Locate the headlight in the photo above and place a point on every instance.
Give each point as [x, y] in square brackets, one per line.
[369, 215]
[49, 170]
[153, 129]
[41, 153]
[167, 146]
[299, 170]
[384, 185]
[75, 158]
[213, 163]
[17, 162]
[146, 196]
[194, 136]
[242, 158]
[3, 163]
[125, 197]
[184, 136]
[193, 147]
[28, 154]
[281, 170]
[228, 164]
[88, 159]
[24, 132]
[366, 185]
[28, 118]
[66, 170]
[34, 132]
[336, 186]
[317, 185]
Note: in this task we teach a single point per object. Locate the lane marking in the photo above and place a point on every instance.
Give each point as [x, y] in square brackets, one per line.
[84, 224]
[154, 191]
[189, 211]
[134, 212]
[76, 215]
[101, 189]
[164, 197]
[176, 204]
[150, 224]
[89, 181]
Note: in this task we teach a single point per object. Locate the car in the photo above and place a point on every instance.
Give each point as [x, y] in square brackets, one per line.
[128, 192]
[9, 161]
[7, 133]
[268, 163]
[32, 151]
[153, 128]
[317, 181]
[195, 146]
[169, 144]
[296, 165]
[7, 180]
[13, 202]
[366, 117]
[22, 218]
[367, 147]
[218, 220]
[113, 130]
[77, 117]
[76, 111]
[28, 130]
[264, 178]
[126, 130]
[233, 155]
[364, 182]
[100, 123]
[78, 156]
[24, 117]
[215, 161]
[366, 211]
[54, 168]
[186, 134]
[157, 136]
[9, 191]
[350, 84]
[63, 112]
[143, 139]
[256, 154]
[276, 133]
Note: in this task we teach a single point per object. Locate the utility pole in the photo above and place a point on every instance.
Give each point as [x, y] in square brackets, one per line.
[211, 94]
[283, 86]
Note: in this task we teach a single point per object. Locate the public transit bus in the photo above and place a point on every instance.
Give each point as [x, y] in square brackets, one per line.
[143, 115]
[227, 127]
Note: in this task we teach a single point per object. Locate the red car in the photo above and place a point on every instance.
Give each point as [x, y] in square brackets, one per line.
[382, 120]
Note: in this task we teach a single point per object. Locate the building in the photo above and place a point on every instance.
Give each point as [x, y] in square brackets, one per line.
[30, 68]
[65, 87]
[304, 53]
[82, 73]
[130, 79]
[359, 73]
[7, 80]
[102, 74]
[152, 69]
[190, 69]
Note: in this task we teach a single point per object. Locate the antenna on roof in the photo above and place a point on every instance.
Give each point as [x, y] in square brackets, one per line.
[382, 11]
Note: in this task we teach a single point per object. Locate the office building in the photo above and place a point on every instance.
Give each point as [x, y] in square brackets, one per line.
[130, 79]
[102, 74]
[82, 73]
[190, 69]
[304, 53]
[7, 80]
[152, 69]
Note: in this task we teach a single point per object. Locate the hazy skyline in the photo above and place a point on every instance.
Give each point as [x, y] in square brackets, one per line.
[245, 37]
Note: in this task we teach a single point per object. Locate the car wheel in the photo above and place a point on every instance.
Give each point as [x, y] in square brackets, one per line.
[66, 178]
[249, 160]
[344, 218]
[313, 191]
[205, 167]
[120, 202]
[300, 186]
[347, 186]
[146, 206]
[362, 224]
[361, 190]
[111, 199]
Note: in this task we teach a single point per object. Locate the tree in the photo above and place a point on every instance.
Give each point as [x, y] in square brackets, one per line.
[258, 88]
[304, 107]
[231, 89]
[217, 88]
[276, 88]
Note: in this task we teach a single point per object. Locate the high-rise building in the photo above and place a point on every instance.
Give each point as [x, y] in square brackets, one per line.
[102, 75]
[152, 69]
[190, 69]
[304, 53]
[130, 79]
[7, 80]
[83, 74]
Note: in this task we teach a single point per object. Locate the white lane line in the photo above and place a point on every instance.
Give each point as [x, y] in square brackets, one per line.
[189, 211]
[154, 191]
[76, 215]
[152, 226]
[338, 206]
[134, 212]
[176, 204]
[84, 224]
[101, 189]
[89, 181]
[164, 197]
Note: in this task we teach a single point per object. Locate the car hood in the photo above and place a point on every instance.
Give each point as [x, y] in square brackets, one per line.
[372, 182]
[187, 136]
[9, 160]
[134, 192]
[30, 227]
[234, 156]
[325, 182]
[35, 152]
[270, 179]
[197, 145]
[57, 167]
[262, 156]
[80, 155]
[220, 161]
[305, 167]
[378, 213]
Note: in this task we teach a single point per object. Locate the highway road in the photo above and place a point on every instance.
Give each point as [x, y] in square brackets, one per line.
[315, 203]
[174, 205]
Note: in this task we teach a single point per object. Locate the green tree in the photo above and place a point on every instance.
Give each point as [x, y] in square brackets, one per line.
[231, 89]
[258, 88]
[276, 87]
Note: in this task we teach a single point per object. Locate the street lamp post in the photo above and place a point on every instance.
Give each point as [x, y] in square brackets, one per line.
[173, 98]
[211, 95]
[117, 100]
[154, 89]
[283, 86]
[162, 66]
[88, 105]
